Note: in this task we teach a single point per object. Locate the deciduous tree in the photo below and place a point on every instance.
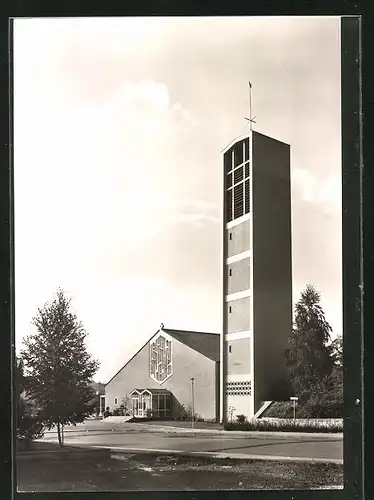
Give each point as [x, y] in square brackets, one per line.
[58, 366]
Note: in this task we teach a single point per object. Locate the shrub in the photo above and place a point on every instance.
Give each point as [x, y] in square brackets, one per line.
[241, 418]
[183, 413]
[120, 411]
[107, 412]
[30, 428]
[280, 409]
[325, 400]
[210, 421]
[149, 413]
[29, 424]
[180, 412]
[188, 413]
[287, 425]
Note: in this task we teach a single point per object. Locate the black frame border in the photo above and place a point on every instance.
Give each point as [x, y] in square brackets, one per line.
[352, 178]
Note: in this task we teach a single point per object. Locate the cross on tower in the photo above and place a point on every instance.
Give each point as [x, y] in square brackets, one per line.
[250, 120]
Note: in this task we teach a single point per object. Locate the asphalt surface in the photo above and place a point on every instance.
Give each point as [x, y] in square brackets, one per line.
[154, 473]
[133, 437]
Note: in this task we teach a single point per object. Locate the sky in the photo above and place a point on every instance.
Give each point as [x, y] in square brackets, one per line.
[119, 125]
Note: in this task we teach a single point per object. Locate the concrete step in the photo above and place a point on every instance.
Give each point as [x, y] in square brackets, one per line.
[117, 419]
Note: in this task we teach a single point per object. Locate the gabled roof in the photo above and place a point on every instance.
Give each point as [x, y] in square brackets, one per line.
[204, 343]
[234, 141]
[244, 136]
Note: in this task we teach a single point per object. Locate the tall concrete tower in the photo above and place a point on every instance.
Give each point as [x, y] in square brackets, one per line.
[257, 271]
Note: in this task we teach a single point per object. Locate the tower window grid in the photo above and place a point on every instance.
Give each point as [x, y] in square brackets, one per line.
[237, 181]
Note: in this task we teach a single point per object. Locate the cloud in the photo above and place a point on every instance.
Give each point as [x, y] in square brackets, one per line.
[104, 191]
[200, 220]
[119, 124]
[145, 92]
[325, 193]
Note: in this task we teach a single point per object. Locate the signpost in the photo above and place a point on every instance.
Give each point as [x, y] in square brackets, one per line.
[294, 399]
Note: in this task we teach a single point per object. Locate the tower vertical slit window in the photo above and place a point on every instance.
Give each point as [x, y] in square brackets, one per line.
[246, 150]
[228, 162]
[246, 170]
[229, 180]
[229, 202]
[238, 175]
[238, 200]
[247, 196]
[238, 154]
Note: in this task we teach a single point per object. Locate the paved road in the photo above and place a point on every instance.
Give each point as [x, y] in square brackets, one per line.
[128, 436]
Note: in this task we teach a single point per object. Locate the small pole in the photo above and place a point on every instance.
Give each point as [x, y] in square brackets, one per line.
[193, 402]
[250, 105]
[251, 119]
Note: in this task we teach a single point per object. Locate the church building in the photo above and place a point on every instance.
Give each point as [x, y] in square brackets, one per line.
[175, 371]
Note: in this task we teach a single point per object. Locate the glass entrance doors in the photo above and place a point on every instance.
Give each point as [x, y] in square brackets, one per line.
[141, 404]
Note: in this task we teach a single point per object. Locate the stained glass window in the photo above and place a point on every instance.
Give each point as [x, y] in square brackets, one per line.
[160, 362]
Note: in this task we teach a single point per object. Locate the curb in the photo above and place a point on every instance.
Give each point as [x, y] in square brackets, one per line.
[182, 430]
[328, 487]
[236, 456]
[337, 436]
